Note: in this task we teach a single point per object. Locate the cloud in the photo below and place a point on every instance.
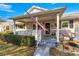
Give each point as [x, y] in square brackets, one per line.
[5, 17]
[5, 7]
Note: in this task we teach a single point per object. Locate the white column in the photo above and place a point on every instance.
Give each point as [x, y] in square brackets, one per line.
[57, 32]
[25, 27]
[36, 34]
[14, 27]
[74, 27]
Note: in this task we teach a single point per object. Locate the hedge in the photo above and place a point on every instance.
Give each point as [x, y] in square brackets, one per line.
[18, 40]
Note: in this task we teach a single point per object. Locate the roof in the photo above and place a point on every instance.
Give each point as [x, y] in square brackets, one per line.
[10, 23]
[53, 11]
[5, 23]
[40, 9]
[71, 16]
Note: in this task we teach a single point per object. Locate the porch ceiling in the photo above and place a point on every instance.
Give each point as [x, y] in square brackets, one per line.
[46, 15]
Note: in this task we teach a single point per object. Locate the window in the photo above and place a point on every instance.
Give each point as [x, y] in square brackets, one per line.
[34, 26]
[67, 24]
[64, 24]
[71, 23]
[20, 26]
[7, 27]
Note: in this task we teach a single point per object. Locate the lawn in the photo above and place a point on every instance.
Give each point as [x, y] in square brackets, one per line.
[8, 49]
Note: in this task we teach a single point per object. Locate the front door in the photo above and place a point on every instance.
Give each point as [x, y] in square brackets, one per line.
[47, 26]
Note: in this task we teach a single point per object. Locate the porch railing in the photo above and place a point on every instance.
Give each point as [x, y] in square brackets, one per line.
[28, 32]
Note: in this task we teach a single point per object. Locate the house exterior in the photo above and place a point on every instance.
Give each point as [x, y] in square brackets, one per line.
[70, 23]
[6, 26]
[49, 18]
[71, 20]
[53, 20]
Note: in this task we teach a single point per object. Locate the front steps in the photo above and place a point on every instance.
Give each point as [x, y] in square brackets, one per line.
[44, 46]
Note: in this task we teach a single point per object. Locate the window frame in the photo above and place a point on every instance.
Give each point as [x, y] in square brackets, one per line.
[64, 22]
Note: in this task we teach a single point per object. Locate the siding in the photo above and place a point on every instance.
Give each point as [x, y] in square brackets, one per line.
[77, 26]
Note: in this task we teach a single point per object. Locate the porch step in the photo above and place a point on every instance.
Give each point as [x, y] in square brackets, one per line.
[48, 42]
[48, 37]
[44, 47]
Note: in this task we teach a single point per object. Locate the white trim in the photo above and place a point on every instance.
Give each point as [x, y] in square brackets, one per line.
[57, 32]
[74, 26]
[64, 22]
[36, 34]
[14, 27]
[36, 7]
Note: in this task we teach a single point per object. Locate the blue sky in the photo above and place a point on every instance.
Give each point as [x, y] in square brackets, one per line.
[8, 10]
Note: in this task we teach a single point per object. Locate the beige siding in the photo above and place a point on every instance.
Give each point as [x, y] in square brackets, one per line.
[76, 26]
[76, 23]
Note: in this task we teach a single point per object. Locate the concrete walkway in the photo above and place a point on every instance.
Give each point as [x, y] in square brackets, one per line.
[44, 47]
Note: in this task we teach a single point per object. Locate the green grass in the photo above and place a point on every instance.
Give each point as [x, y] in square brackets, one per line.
[13, 50]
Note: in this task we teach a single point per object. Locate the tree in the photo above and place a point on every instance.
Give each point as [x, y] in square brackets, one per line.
[1, 20]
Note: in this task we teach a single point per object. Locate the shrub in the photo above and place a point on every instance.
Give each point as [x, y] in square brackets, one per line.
[6, 32]
[31, 41]
[12, 39]
[28, 40]
[18, 40]
[23, 41]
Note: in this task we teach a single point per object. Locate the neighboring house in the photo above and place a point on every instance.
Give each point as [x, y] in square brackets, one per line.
[5, 26]
[53, 20]
[70, 21]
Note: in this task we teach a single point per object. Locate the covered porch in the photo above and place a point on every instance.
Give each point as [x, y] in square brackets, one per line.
[49, 19]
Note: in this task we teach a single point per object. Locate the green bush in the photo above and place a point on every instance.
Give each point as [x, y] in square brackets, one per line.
[28, 41]
[23, 41]
[12, 39]
[6, 32]
[18, 40]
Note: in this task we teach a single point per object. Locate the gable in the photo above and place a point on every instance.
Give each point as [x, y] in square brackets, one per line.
[36, 9]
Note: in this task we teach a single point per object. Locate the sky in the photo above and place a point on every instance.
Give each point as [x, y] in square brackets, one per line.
[8, 10]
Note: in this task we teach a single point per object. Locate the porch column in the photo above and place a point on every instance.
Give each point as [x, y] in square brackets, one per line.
[14, 27]
[25, 27]
[57, 32]
[36, 34]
